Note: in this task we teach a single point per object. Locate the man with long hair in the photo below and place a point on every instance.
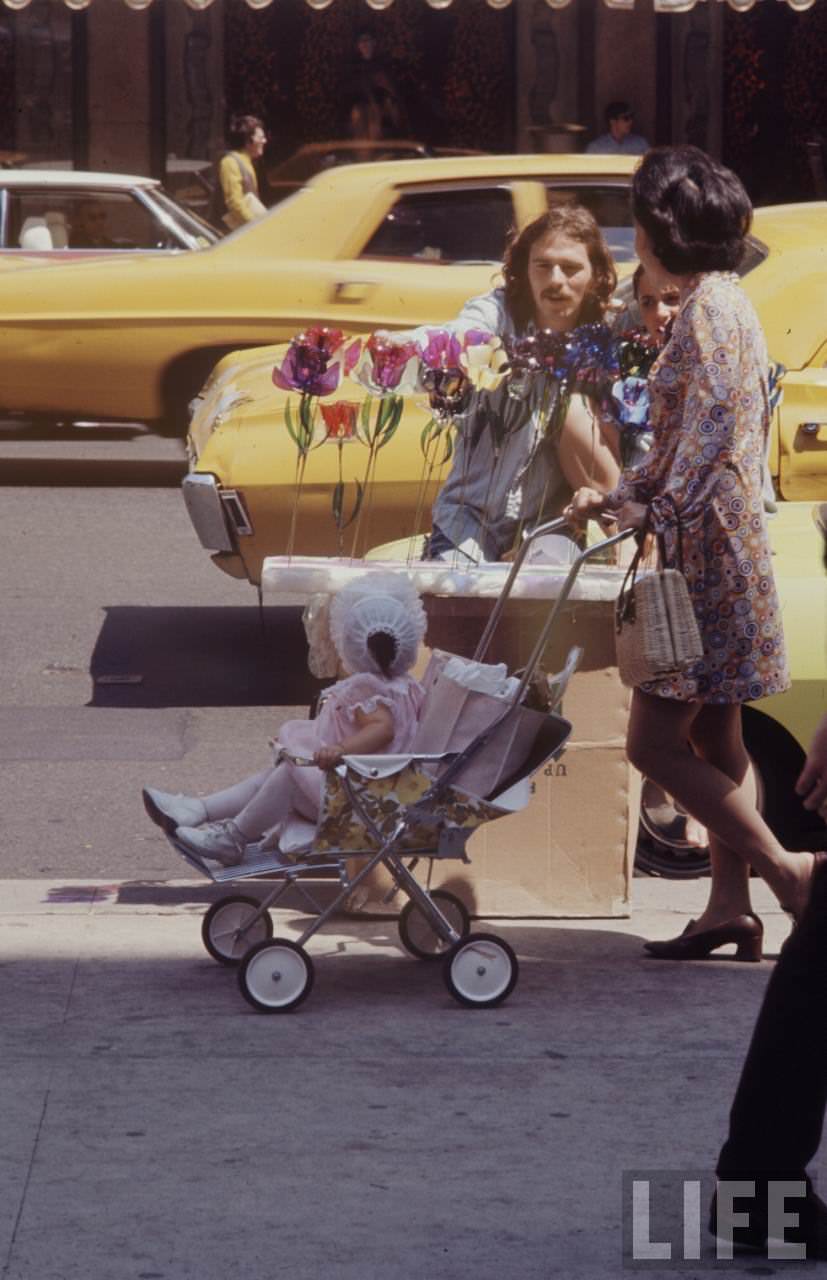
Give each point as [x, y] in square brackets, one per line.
[516, 463]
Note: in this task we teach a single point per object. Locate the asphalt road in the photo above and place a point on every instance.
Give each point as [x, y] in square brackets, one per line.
[127, 657]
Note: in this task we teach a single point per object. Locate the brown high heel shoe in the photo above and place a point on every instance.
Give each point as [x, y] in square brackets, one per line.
[819, 870]
[746, 931]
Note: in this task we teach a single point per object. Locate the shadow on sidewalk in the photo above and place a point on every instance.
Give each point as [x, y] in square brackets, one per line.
[201, 657]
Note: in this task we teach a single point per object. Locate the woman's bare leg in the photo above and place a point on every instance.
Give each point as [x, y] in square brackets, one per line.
[658, 745]
[716, 737]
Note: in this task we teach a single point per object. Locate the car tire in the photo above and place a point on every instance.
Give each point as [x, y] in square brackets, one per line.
[777, 758]
[182, 381]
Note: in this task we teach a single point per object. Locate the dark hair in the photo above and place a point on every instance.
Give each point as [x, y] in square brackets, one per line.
[574, 221]
[382, 648]
[242, 129]
[636, 279]
[695, 211]
[616, 109]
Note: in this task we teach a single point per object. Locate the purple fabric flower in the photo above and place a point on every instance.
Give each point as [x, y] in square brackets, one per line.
[442, 350]
[307, 367]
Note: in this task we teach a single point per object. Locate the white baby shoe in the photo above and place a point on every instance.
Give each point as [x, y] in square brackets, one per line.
[221, 841]
[170, 811]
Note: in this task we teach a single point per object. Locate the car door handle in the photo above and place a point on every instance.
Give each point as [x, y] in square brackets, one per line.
[353, 290]
[814, 429]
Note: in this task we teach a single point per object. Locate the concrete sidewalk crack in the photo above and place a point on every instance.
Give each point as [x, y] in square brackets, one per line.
[29, 1171]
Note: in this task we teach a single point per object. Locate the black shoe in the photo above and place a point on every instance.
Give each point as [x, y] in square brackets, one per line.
[746, 931]
[810, 1233]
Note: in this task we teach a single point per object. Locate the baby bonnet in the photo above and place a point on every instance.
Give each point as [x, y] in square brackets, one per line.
[377, 602]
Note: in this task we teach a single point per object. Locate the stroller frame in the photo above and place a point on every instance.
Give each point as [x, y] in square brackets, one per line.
[480, 970]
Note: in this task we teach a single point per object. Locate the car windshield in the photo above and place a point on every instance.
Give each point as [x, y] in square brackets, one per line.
[189, 221]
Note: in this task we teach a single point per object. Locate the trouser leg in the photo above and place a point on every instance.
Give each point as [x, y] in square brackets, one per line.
[777, 1115]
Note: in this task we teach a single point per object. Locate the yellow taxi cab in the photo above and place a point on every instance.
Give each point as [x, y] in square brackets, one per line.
[361, 247]
[240, 497]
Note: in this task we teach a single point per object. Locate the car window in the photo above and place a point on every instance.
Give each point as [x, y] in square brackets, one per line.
[56, 219]
[187, 221]
[463, 225]
[612, 210]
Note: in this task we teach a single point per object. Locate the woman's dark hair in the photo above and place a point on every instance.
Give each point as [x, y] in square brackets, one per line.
[242, 129]
[382, 648]
[577, 223]
[695, 211]
[636, 279]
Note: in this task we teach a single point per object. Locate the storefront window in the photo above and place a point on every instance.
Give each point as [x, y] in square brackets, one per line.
[194, 100]
[36, 86]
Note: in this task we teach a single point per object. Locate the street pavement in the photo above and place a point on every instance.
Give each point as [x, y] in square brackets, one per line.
[155, 1127]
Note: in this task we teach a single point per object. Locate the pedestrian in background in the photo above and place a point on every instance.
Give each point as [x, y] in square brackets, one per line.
[618, 140]
[237, 177]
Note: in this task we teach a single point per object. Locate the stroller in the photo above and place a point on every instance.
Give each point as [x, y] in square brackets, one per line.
[393, 812]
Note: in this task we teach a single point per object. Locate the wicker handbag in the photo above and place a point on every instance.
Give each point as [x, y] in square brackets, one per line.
[656, 631]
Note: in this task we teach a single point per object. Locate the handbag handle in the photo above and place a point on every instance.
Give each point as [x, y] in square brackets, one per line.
[667, 497]
[625, 603]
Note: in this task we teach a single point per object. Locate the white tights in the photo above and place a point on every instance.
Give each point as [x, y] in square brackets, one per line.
[260, 802]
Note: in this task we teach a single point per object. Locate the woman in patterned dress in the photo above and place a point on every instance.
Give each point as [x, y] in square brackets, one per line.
[701, 485]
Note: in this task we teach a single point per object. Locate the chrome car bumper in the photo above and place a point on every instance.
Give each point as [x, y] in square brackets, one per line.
[218, 515]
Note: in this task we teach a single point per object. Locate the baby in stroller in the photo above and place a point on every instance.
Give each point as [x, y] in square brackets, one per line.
[377, 624]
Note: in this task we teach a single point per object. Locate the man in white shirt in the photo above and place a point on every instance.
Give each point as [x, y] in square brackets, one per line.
[618, 140]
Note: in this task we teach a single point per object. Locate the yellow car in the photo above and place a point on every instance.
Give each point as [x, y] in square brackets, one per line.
[360, 247]
[240, 497]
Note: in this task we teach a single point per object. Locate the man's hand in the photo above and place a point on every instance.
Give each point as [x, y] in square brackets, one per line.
[586, 504]
[327, 757]
[812, 781]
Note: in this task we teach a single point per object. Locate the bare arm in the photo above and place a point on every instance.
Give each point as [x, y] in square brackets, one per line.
[588, 448]
[373, 735]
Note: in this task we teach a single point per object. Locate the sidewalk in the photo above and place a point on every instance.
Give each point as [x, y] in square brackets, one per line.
[156, 1128]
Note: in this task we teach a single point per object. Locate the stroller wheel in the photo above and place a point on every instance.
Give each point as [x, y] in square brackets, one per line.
[221, 928]
[420, 937]
[275, 976]
[481, 971]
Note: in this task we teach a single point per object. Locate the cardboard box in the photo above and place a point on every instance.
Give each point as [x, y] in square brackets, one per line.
[571, 851]
[568, 854]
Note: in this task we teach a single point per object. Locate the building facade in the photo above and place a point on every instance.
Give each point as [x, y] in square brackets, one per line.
[147, 86]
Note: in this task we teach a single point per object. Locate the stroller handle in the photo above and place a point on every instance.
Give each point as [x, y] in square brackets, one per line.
[552, 526]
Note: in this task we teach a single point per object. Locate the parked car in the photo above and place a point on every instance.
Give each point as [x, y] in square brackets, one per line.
[63, 215]
[241, 486]
[362, 246]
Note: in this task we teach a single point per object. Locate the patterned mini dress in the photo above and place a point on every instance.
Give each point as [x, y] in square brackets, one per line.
[703, 482]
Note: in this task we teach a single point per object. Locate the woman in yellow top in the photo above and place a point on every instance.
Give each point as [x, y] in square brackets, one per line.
[237, 173]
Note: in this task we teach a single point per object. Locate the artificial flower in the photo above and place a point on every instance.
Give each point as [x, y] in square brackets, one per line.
[485, 362]
[315, 361]
[340, 419]
[386, 366]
